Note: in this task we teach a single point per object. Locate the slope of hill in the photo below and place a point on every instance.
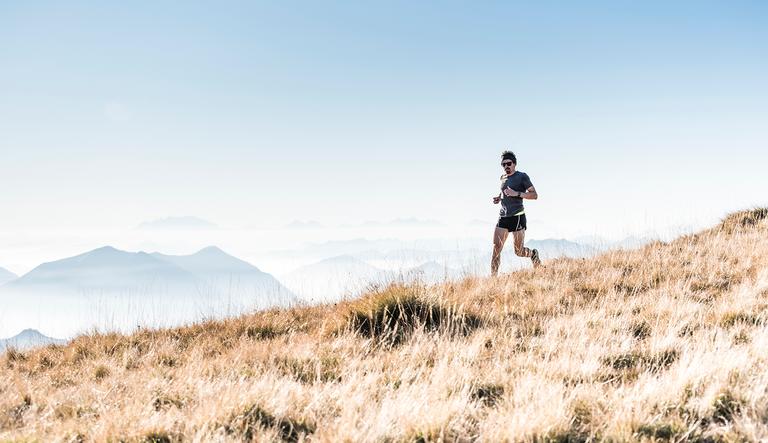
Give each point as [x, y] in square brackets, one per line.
[6, 276]
[27, 339]
[663, 343]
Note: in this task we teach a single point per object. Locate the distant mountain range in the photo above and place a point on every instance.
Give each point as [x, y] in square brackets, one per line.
[105, 270]
[110, 289]
[109, 271]
[28, 338]
[217, 269]
[6, 276]
[332, 277]
[553, 248]
[432, 272]
[114, 289]
[400, 254]
[357, 246]
[177, 223]
[346, 276]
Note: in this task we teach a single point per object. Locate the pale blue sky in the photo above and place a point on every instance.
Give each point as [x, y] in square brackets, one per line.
[625, 114]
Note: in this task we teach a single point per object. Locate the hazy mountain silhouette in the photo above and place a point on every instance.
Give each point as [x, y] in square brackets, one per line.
[215, 267]
[346, 275]
[6, 276]
[553, 247]
[104, 269]
[431, 272]
[111, 271]
[112, 289]
[333, 277]
[28, 338]
[357, 246]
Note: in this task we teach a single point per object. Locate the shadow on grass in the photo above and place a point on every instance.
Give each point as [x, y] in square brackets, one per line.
[392, 316]
[248, 425]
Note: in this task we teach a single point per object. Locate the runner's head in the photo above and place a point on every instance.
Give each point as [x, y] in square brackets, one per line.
[508, 161]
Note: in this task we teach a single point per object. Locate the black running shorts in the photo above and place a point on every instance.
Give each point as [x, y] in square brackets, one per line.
[514, 223]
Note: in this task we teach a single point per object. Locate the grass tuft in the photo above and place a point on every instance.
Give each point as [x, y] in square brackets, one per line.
[248, 424]
[488, 394]
[394, 315]
[14, 416]
[168, 361]
[660, 431]
[641, 330]
[165, 402]
[13, 355]
[744, 219]
[726, 407]
[647, 362]
[731, 319]
[262, 332]
[101, 372]
[160, 437]
[310, 370]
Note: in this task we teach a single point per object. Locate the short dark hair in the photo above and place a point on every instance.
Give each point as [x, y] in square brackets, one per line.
[509, 155]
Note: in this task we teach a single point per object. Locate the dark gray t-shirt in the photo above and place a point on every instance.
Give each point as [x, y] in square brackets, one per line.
[518, 181]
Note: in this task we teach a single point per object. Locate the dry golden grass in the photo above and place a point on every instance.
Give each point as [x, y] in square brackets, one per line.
[663, 343]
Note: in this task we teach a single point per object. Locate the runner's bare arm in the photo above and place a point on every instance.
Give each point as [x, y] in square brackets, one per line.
[530, 194]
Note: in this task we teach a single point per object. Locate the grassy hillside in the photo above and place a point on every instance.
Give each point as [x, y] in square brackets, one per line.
[663, 343]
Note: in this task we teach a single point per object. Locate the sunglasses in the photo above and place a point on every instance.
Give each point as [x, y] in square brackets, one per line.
[506, 164]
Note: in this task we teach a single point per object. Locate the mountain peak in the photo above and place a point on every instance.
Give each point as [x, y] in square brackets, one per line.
[28, 338]
[106, 249]
[210, 259]
[211, 250]
[6, 276]
[30, 333]
[104, 267]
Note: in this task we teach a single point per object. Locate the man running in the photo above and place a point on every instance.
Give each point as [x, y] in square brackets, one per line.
[515, 186]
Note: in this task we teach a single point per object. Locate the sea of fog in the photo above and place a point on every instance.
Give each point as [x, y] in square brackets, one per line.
[316, 264]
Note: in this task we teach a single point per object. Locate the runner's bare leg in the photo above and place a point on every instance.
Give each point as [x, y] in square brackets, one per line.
[499, 237]
[520, 249]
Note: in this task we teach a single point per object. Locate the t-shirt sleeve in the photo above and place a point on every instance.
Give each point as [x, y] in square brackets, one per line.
[527, 181]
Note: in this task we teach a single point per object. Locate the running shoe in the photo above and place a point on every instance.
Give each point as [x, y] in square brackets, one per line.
[535, 258]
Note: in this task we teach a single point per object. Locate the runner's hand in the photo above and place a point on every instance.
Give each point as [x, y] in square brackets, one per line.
[509, 192]
[496, 200]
